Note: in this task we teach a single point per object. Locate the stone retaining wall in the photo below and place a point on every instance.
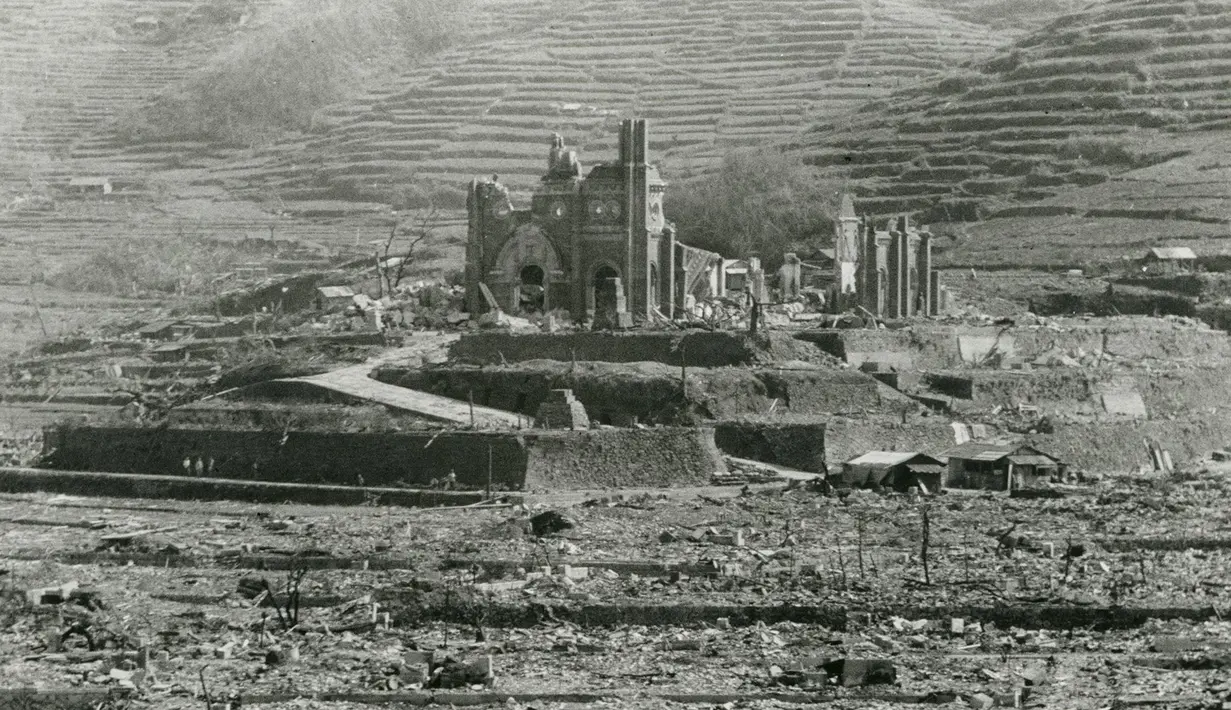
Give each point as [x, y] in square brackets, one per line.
[545, 460]
[797, 445]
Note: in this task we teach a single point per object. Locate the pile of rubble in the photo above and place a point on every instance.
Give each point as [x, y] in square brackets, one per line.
[742, 471]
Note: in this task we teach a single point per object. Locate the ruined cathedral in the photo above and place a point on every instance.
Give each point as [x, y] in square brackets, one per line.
[596, 245]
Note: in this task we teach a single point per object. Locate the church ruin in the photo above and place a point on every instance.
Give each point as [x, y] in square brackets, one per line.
[597, 246]
[888, 273]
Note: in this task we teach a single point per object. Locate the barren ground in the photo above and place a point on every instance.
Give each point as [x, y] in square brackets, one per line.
[800, 550]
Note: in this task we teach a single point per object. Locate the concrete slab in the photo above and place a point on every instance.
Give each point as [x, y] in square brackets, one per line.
[1126, 403]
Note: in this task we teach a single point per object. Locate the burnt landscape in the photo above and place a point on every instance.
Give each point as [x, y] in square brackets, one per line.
[852, 354]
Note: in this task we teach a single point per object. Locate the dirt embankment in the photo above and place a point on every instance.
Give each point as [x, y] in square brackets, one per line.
[650, 392]
[939, 347]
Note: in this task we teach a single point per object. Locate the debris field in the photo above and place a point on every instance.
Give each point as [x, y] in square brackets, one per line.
[763, 596]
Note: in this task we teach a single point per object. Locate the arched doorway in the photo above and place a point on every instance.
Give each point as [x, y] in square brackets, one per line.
[524, 269]
[606, 299]
[532, 291]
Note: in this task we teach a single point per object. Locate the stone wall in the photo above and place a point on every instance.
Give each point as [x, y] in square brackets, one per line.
[622, 458]
[1105, 446]
[1009, 387]
[846, 438]
[945, 347]
[797, 445]
[545, 460]
[381, 459]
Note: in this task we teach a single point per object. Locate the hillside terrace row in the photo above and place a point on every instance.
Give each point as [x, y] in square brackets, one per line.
[530, 92]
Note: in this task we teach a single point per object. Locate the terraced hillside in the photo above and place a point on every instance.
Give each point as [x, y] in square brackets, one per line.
[1113, 123]
[67, 68]
[711, 75]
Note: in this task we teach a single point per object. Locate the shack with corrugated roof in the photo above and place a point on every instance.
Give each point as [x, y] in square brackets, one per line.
[897, 470]
[1000, 467]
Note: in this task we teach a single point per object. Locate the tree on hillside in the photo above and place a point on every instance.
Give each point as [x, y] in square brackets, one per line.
[758, 202]
[398, 253]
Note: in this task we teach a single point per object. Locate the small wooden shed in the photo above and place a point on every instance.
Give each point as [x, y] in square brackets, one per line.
[899, 470]
[1000, 467]
[1164, 261]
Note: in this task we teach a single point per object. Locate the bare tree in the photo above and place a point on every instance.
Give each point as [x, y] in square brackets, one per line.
[421, 230]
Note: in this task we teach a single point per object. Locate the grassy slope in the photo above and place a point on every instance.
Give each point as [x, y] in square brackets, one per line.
[312, 53]
[1103, 133]
[68, 67]
[710, 74]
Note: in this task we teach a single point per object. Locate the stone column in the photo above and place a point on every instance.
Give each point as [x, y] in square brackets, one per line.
[474, 249]
[897, 280]
[869, 267]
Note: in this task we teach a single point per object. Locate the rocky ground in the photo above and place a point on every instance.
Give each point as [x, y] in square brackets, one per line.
[725, 596]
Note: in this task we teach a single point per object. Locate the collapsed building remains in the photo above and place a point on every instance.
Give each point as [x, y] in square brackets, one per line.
[888, 273]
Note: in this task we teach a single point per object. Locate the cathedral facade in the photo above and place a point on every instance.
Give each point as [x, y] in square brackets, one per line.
[596, 245]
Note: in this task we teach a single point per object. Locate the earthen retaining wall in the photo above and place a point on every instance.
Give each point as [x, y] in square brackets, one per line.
[696, 349]
[652, 393]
